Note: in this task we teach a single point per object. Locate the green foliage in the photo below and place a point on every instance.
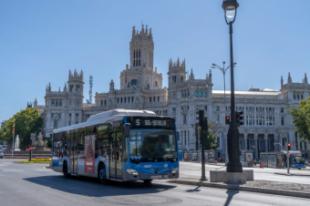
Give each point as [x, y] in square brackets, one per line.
[301, 119]
[210, 139]
[26, 121]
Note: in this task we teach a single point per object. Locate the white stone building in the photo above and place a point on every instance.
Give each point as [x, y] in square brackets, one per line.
[268, 123]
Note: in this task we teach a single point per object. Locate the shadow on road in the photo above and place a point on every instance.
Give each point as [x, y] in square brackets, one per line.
[230, 194]
[196, 189]
[90, 187]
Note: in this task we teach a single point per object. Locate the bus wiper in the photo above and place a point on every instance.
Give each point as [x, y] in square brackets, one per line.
[134, 160]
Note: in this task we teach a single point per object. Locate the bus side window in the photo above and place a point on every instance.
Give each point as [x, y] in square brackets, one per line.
[103, 134]
[80, 143]
[66, 144]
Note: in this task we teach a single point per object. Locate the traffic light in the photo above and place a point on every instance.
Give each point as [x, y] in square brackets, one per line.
[227, 119]
[200, 117]
[239, 118]
[205, 124]
[289, 147]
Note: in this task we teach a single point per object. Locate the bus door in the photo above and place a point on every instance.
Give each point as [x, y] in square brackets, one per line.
[116, 155]
[73, 155]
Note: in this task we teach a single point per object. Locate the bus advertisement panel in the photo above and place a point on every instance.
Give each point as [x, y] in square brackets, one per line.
[89, 153]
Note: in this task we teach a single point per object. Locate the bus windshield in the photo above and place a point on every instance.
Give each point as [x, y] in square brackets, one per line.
[151, 145]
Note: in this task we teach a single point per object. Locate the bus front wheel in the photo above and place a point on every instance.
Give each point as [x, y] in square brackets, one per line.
[102, 173]
[147, 182]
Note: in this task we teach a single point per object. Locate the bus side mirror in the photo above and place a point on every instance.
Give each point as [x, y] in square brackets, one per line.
[126, 129]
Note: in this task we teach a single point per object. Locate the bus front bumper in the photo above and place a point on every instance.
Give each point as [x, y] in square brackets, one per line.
[141, 176]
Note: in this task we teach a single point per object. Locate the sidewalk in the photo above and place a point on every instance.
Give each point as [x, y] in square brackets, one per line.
[270, 184]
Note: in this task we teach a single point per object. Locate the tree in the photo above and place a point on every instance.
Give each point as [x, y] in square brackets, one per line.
[211, 139]
[301, 119]
[26, 122]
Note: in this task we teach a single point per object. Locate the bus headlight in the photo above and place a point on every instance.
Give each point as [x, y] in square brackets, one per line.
[174, 171]
[132, 172]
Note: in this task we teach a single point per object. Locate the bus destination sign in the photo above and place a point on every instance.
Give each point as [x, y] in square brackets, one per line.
[151, 122]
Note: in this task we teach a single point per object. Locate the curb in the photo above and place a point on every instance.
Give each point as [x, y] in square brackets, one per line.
[243, 188]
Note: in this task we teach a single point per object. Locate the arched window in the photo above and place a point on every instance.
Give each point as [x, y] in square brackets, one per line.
[156, 84]
[136, 57]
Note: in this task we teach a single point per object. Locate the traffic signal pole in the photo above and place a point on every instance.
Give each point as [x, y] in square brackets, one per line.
[288, 158]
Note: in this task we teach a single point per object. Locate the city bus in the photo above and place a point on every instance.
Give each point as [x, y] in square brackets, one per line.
[120, 144]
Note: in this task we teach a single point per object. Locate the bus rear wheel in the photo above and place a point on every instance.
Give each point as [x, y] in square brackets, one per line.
[65, 169]
[102, 177]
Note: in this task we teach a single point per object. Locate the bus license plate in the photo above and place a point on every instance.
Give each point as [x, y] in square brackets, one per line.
[159, 176]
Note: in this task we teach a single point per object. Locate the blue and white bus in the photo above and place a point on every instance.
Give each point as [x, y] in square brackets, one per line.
[120, 144]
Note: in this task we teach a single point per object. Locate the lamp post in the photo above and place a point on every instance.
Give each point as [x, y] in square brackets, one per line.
[234, 165]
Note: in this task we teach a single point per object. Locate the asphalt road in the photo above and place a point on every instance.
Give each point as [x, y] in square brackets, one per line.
[35, 185]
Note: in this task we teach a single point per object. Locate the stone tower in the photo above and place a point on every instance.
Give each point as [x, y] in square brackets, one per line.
[141, 74]
[176, 73]
[75, 97]
[141, 48]
[176, 77]
[64, 107]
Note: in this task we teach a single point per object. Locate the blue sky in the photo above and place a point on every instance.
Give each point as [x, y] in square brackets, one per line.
[40, 40]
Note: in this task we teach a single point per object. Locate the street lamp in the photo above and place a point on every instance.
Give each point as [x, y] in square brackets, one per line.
[234, 165]
[230, 9]
[222, 69]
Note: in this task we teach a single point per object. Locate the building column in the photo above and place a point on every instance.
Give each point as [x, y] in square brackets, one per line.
[266, 142]
[255, 146]
[247, 146]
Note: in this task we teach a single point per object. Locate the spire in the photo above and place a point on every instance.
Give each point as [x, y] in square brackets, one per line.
[209, 77]
[112, 86]
[170, 63]
[150, 33]
[142, 29]
[289, 78]
[70, 75]
[65, 88]
[133, 31]
[282, 82]
[35, 103]
[81, 75]
[191, 76]
[305, 81]
[48, 87]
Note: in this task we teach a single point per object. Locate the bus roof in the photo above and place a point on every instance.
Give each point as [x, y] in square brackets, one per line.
[102, 117]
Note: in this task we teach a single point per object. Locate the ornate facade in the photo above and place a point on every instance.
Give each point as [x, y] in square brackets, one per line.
[267, 125]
